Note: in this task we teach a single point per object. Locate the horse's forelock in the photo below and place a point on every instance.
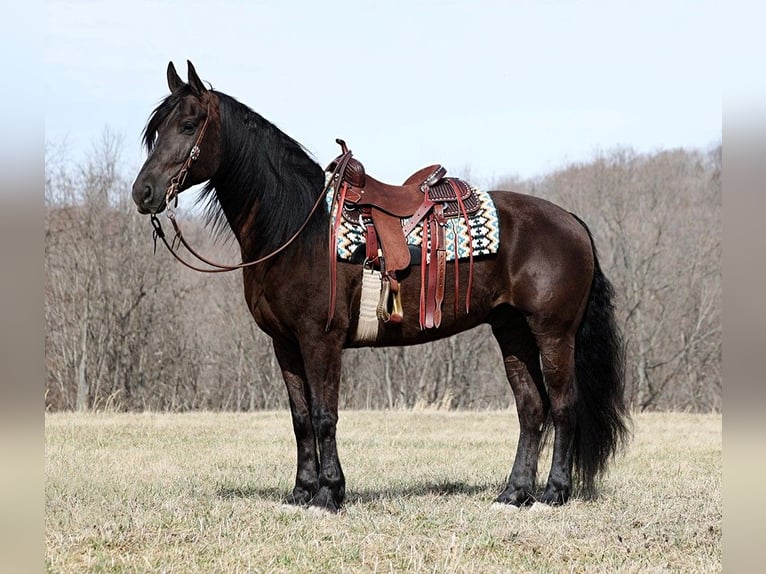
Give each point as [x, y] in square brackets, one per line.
[160, 114]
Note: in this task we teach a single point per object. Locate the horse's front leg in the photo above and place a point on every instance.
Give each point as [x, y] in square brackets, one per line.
[294, 374]
[322, 361]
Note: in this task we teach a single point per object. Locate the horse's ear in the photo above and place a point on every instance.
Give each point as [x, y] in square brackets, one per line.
[196, 84]
[174, 80]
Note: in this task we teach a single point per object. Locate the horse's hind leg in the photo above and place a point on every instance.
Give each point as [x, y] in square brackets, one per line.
[557, 354]
[522, 366]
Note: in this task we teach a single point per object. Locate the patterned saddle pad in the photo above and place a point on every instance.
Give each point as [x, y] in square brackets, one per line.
[483, 232]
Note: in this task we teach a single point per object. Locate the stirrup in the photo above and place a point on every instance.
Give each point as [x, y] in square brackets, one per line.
[397, 312]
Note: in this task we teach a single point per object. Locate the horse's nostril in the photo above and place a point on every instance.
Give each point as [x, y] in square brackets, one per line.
[143, 191]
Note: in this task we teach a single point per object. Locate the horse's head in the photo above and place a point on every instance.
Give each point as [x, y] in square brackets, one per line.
[183, 140]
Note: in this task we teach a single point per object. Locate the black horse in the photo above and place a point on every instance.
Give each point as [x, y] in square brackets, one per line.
[543, 293]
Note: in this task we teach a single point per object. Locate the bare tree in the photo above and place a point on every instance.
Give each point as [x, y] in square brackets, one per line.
[128, 330]
[107, 308]
[656, 220]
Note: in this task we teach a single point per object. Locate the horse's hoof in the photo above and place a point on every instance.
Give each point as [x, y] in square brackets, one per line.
[518, 497]
[324, 500]
[555, 496]
[299, 497]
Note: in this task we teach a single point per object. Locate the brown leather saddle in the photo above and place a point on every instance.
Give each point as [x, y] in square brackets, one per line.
[389, 213]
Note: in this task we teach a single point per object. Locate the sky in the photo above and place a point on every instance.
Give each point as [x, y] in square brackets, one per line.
[488, 89]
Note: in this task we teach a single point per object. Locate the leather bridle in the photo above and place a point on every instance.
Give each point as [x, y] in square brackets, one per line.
[174, 187]
[171, 195]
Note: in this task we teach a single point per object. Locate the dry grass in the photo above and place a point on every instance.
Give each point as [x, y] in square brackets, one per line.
[202, 493]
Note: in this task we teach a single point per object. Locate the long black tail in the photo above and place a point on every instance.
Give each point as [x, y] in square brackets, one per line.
[602, 416]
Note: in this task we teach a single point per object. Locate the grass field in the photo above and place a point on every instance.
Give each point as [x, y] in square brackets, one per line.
[202, 493]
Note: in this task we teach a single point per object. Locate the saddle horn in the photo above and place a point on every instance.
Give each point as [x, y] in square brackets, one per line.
[342, 145]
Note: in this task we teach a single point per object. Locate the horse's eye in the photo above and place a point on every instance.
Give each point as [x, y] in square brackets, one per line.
[188, 127]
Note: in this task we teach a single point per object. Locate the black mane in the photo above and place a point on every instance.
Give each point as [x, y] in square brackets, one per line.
[261, 168]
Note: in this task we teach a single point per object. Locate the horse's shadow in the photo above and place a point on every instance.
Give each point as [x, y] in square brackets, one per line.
[365, 496]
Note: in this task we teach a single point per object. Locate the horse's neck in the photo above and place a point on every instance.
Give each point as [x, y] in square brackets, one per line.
[241, 225]
[248, 229]
[264, 208]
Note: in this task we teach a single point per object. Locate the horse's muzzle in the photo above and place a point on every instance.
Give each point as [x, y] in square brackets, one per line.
[145, 198]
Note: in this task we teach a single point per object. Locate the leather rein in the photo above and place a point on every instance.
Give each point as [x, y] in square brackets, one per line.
[171, 195]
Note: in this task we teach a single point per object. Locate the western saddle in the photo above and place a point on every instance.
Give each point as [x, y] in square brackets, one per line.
[388, 214]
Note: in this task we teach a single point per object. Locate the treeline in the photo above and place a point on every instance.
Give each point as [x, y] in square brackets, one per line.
[126, 330]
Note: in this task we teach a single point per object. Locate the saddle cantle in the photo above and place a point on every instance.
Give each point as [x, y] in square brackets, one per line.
[389, 213]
